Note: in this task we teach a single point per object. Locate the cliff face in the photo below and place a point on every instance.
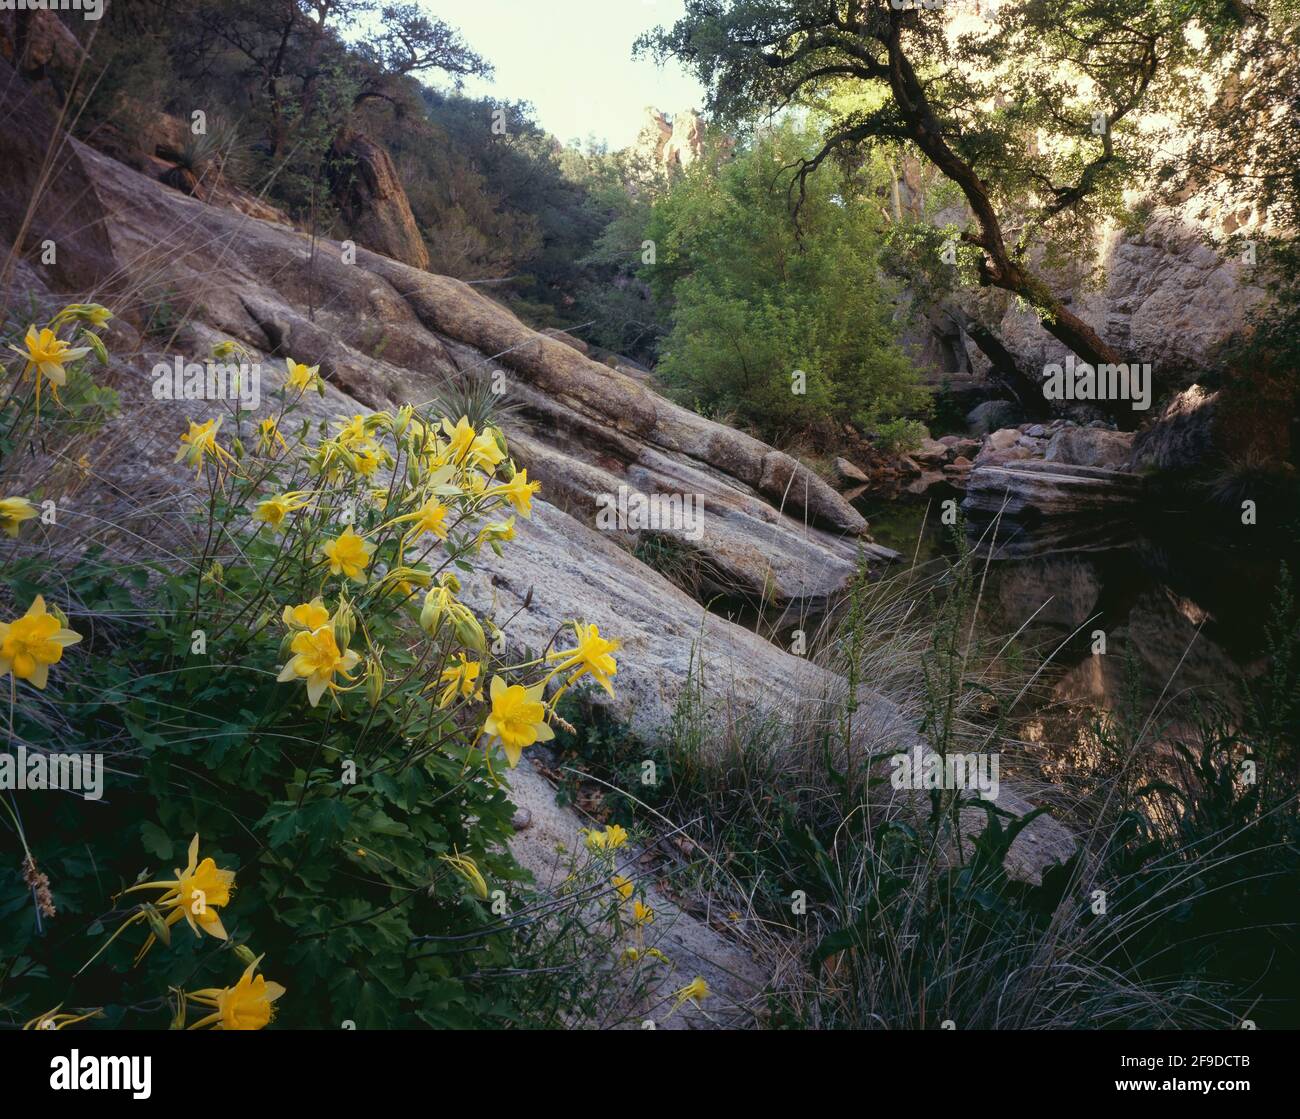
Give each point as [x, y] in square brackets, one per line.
[666, 142]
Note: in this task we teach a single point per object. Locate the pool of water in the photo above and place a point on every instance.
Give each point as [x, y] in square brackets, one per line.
[1182, 612]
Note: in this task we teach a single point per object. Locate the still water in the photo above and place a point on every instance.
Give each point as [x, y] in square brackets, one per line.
[1183, 613]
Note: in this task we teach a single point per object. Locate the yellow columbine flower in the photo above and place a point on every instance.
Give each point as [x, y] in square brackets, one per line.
[92, 313]
[611, 839]
[696, 991]
[460, 437]
[301, 376]
[468, 870]
[201, 440]
[623, 886]
[429, 517]
[436, 604]
[227, 349]
[196, 893]
[352, 433]
[485, 452]
[273, 510]
[245, 1006]
[369, 459]
[30, 644]
[461, 679]
[517, 719]
[519, 492]
[317, 659]
[13, 511]
[592, 656]
[46, 355]
[268, 435]
[495, 531]
[348, 555]
[309, 615]
[642, 914]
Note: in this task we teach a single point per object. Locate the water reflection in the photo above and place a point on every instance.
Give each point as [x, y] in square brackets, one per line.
[1179, 616]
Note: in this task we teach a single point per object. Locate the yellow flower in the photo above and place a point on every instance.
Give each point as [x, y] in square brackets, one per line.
[352, 433]
[468, 870]
[348, 555]
[268, 435]
[494, 531]
[592, 656]
[196, 893]
[46, 355]
[273, 510]
[30, 644]
[436, 603]
[301, 376]
[485, 452]
[611, 839]
[91, 313]
[461, 679]
[696, 991]
[517, 718]
[623, 886]
[309, 615]
[227, 349]
[519, 492]
[201, 440]
[642, 914]
[318, 660]
[368, 459]
[429, 517]
[245, 1006]
[461, 438]
[13, 511]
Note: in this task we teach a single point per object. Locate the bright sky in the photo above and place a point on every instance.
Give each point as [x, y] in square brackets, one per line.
[573, 60]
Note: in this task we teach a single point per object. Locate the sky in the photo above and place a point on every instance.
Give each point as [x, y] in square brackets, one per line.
[573, 60]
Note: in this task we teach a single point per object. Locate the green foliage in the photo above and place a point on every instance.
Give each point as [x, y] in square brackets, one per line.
[759, 298]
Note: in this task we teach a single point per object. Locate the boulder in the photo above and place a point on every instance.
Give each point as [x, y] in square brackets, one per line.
[847, 473]
[991, 415]
[932, 453]
[1090, 446]
[1183, 438]
[1002, 439]
[372, 201]
[1034, 488]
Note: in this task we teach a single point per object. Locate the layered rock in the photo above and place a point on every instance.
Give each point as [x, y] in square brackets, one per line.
[372, 201]
[1034, 487]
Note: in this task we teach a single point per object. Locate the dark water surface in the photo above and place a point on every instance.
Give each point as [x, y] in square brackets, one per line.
[1183, 611]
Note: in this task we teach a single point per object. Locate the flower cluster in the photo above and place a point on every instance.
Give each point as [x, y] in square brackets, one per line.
[382, 512]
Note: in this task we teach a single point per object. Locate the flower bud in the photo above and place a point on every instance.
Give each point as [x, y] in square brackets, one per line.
[435, 605]
[468, 630]
[375, 677]
[345, 621]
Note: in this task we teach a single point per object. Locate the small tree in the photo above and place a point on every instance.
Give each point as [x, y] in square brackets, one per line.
[785, 328]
